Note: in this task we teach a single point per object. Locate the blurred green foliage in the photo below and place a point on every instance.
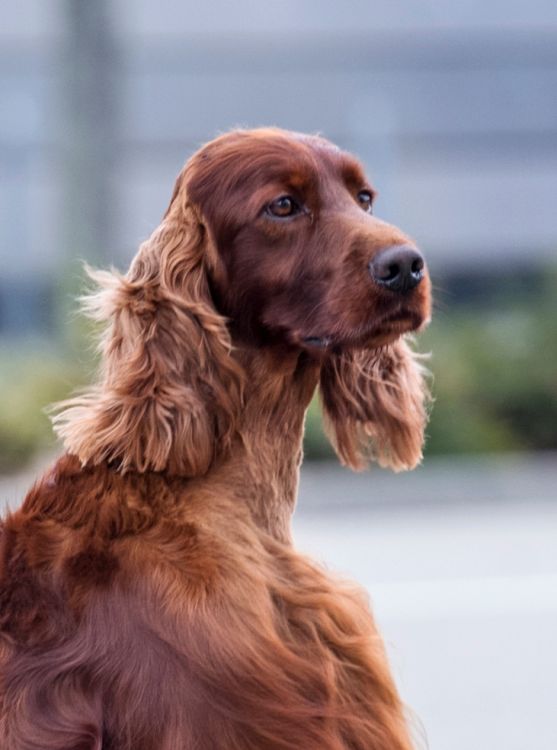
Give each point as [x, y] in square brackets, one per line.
[493, 358]
[30, 379]
[494, 361]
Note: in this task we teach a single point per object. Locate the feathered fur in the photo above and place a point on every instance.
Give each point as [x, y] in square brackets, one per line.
[375, 406]
[150, 596]
[169, 390]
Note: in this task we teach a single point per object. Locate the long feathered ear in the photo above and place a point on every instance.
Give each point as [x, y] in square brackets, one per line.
[169, 390]
[375, 406]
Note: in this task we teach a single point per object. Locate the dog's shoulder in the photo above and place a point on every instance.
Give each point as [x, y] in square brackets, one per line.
[63, 543]
[71, 494]
[85, 529]
[36, 542]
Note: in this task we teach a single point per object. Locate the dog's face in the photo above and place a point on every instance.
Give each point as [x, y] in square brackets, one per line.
[300, 257]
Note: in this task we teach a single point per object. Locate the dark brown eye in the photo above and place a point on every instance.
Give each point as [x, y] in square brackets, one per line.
[365, 199]
[283, 207]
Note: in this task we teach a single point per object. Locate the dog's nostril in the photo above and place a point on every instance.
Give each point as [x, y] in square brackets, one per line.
[392, 272]
[417, 265]
[398, 268]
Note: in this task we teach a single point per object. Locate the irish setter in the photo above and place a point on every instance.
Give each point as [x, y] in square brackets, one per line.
[150, 596]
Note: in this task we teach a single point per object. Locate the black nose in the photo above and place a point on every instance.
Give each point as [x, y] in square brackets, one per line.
[398, 268]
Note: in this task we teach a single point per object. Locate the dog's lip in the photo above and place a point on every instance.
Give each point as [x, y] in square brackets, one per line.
[384, 329]
[321, 342]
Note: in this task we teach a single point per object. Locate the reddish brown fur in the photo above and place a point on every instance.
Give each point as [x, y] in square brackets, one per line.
[150, 597]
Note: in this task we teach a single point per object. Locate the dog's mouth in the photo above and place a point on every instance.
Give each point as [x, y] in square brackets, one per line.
[319, 342]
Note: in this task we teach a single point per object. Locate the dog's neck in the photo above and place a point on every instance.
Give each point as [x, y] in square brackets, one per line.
[263, 465]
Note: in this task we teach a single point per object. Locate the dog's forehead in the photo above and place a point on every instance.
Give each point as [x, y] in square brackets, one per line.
[323, 149]
[325, 160]
[320, 153]
[267, 156]
[273, 145]
[334, 164]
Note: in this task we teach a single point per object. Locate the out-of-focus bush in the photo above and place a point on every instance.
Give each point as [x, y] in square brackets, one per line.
[495, 370]
[30, 379]
[493, 357]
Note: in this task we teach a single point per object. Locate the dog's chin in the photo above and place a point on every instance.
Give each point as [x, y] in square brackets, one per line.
[371, 336]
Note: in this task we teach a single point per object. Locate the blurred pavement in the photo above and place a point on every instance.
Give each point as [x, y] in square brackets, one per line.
[460, 560]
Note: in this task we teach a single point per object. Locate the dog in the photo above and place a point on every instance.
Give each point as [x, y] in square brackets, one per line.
[150, 595]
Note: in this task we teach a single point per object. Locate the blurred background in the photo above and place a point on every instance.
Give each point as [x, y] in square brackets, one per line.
[453, 109]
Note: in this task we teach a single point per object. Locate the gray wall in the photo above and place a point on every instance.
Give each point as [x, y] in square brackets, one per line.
[453, 110]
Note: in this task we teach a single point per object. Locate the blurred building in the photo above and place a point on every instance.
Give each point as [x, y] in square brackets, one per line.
[452, 106]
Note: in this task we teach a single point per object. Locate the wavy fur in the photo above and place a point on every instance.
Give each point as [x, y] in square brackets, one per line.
[150, 595]
[169, 391]
[375, 406]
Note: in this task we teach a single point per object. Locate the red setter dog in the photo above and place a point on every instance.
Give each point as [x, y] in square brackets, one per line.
[150, 596]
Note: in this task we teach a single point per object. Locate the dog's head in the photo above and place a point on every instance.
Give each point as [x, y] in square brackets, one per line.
[299, 256]
[269, 241]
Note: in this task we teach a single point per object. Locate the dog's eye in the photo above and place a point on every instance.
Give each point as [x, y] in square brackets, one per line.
[365, 199]
[283, 207]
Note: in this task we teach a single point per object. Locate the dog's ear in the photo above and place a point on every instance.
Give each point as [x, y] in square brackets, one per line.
[375, 406]
[169, 390]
